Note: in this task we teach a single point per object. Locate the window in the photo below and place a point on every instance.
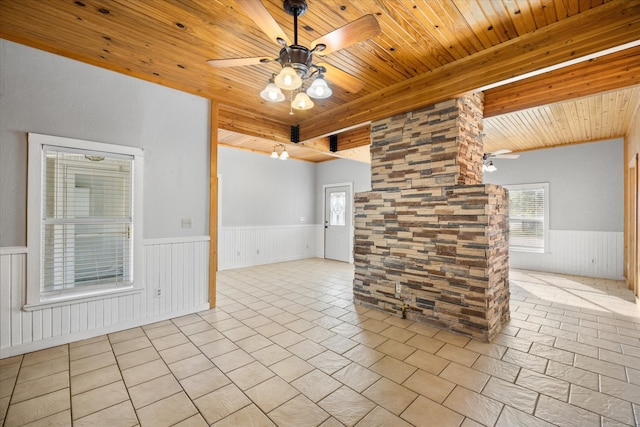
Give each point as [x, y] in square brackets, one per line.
[338, 204]
[528, 217]
[83, 221]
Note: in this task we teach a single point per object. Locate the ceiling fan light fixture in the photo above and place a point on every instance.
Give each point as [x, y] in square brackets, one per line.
[490, 167]
[319, 88]
[288, 79]
[272, 93]
[302, 102]
[296, 60]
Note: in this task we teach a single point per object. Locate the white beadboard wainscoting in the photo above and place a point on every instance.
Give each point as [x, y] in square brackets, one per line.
[247, 246]
[582, 253]
[176, 283]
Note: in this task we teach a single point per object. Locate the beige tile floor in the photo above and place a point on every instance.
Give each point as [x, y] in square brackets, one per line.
[286, 346]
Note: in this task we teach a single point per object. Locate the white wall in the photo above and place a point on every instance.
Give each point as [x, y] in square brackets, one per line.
[258, 190]
[49, 94]
[271, 210]
[267, 209]
[586, 205]
[340, 171]
[178, 267]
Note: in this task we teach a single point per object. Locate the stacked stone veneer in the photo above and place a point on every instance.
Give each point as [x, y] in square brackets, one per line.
[430, 226]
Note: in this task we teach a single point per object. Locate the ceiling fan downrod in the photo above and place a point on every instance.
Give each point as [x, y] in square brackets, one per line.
[295, 8]
[296, 56]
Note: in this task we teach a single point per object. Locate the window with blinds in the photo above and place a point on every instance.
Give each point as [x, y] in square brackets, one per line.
[528, 217]
[84, 220]
[87, 219]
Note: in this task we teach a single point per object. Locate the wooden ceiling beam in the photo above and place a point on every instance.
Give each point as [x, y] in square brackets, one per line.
[605, 27]
[252, 123]
[257, 125]
[606, 73]
[353, 138]
[347, 140]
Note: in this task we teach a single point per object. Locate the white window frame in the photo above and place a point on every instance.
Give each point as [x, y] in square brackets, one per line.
[35, 299]
[545, 230]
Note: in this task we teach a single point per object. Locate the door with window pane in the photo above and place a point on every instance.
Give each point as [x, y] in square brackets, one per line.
[337, 224]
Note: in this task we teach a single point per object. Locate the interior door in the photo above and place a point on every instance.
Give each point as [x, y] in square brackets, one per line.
[337, 223]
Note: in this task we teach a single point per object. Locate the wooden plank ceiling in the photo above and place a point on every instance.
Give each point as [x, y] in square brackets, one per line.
[554, 72]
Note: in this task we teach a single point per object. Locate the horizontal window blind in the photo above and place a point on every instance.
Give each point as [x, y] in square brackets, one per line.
[87, 219]
[527, 222]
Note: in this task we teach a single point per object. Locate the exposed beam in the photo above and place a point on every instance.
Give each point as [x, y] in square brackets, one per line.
[353, 138]
[603, 74]
[257, 125]
[604, 27]
[318, 144]
[359, 154]
[347, 140]
[253, 124]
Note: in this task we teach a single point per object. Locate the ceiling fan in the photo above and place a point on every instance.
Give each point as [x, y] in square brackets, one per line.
[297, 60]
[487, 164]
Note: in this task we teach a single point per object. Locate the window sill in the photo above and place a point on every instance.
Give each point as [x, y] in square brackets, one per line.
[528, 250]
[59, 301]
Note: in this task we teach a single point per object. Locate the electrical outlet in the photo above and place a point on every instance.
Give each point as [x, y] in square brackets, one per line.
[593, 261]
[257, 251]
[398, 288]
[158, 292]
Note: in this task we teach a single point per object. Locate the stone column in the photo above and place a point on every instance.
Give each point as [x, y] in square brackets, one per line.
[430, 238]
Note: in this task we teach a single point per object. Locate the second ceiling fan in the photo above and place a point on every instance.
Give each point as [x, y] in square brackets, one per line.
[297, 60]
[487, 163]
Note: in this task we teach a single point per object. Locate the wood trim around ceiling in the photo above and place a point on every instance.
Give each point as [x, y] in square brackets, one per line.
[605, 27]
[606, 73]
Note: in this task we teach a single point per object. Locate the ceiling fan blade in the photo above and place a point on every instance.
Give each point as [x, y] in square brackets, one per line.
[499, 152]
[263, 19]
[342, 78]
[506, 156]
[356, 31]
[238, 62]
